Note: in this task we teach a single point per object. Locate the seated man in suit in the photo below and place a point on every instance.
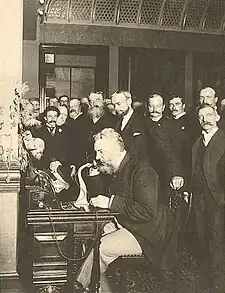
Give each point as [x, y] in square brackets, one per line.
[133, 193]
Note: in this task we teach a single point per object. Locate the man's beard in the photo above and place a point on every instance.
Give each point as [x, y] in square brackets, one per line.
[106, 168]
[96, 111]
[124, 113]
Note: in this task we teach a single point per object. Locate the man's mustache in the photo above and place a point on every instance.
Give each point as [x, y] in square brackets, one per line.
[155, 112]
[98, 162]
[207, 123]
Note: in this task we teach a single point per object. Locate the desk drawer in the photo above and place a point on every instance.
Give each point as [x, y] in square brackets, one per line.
[49, 246]
[81, 229]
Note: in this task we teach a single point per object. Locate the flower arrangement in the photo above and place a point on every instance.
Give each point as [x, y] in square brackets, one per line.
[19, 116]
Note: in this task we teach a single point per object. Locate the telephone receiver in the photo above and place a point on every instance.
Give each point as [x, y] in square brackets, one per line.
[82, 201]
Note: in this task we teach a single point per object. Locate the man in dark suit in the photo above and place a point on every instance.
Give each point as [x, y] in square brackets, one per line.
[142, 225]
[159, 148]
[78, 135]
[209, 97]
[55, 139]
[132, 193]
[130, 125]
[208, 173]
[97, 113]
[182, 134]
[56, 145]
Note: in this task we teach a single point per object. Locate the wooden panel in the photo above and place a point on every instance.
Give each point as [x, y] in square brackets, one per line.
[8, 232]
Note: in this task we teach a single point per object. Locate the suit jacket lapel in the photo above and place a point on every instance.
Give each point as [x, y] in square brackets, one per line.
[214, 151]
[127, 126]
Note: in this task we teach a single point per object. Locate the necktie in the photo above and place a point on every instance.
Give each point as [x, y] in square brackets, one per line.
[51, 130]
[119, 125]
[203, 140]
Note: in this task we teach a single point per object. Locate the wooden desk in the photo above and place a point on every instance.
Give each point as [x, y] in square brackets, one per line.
[52, 236]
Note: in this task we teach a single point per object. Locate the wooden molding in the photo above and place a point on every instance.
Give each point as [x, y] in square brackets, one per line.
[9, 276]
[9, 179]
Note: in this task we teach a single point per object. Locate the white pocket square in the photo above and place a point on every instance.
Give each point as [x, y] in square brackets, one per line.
[136, 133]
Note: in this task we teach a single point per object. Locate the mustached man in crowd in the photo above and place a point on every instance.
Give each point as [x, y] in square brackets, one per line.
[208, 173]
[159, 148]
[130, 124]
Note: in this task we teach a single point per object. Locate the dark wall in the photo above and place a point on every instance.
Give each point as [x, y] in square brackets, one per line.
[30, 19]
[130, 37]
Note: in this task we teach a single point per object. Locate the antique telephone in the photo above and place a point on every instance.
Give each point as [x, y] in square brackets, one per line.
[82, 201]
[41, 191]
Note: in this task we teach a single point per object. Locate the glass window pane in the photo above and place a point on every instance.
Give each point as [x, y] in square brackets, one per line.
[82, 82]
[60, 81]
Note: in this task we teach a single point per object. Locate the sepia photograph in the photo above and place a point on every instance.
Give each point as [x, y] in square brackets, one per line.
[112, 146]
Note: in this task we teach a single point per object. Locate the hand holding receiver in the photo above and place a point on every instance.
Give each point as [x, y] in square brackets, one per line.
[100, 201]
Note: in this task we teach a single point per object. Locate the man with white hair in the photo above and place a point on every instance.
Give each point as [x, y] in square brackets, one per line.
[132, 193]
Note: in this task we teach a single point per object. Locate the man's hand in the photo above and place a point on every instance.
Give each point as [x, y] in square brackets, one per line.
[100, 201]
[177, 182]
[54, 166]
[73, 172]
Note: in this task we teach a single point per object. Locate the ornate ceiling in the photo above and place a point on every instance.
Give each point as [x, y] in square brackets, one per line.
[207, 16]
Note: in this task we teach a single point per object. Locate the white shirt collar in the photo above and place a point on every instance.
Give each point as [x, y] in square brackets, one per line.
[77, 116]
[95, 119]
[179, 115]
[208, 136]
[126, 118]
[120, 158]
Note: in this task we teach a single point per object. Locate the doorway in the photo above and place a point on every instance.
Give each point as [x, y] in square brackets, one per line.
[148, 71]
[72, 70]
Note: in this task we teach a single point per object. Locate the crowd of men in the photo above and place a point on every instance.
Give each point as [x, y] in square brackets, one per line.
[143, 156]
